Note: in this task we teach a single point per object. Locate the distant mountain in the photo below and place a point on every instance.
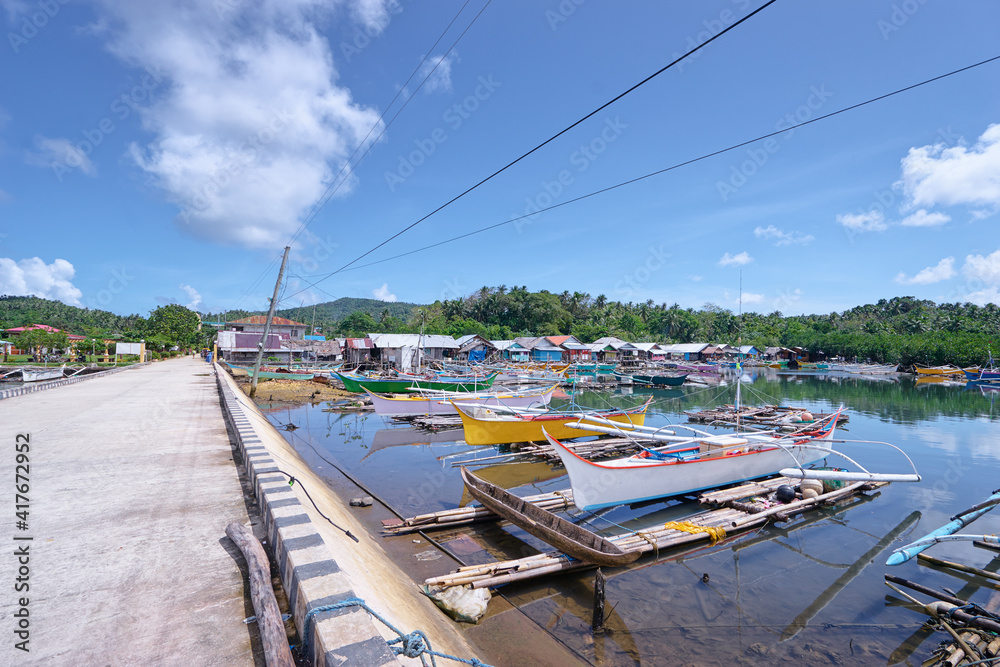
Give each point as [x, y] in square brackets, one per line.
[335, 311]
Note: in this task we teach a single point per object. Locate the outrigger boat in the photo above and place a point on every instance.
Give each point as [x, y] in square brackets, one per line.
[358, 383]
[655, 380]
[940, 370]
[497, 425]
[41, 374]
[704, 461]
[946, 533]
[571, 539]
[437, 403]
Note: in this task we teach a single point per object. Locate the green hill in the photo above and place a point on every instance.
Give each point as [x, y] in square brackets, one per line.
[17, 311]
[335, 311]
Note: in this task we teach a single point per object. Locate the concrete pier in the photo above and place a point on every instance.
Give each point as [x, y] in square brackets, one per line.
[131, 485]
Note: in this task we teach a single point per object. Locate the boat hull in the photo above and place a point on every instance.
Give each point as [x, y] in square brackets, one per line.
[573, 540]
[41, 375]
[415, 406]
[597, 485]
[358, 385]
[506, 429]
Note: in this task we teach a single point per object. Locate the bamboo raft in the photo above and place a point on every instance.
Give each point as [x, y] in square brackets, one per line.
[735, 510]
[769, 416]
[591, 450]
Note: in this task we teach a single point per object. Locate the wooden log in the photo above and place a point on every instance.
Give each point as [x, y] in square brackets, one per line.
[993, 648]
[265, 606]
[920, 588]
[597, 621]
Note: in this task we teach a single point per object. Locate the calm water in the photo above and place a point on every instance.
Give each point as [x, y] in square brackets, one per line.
[807, 592]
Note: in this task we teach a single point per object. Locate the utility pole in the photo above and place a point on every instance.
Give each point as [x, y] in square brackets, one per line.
[267, 326]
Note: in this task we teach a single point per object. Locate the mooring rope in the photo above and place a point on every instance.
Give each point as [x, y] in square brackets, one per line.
[411, 645]
[716, 533]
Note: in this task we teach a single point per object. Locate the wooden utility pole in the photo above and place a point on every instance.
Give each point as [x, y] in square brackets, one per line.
[267, 326]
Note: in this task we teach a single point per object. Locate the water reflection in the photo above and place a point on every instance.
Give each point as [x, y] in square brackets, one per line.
[807, 592]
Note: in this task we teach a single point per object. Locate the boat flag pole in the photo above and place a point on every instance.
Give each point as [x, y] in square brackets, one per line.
[267, 327]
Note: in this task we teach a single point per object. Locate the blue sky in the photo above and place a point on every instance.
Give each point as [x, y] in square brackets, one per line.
[166, 152]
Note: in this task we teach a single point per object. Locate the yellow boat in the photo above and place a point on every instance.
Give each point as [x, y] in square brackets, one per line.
[939, 370]
[484, 426]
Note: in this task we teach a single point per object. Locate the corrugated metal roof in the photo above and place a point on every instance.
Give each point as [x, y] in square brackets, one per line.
[576, 346]
[615, 343]
[684, 348]
[414, 340]
[358, 343]
[646, 347]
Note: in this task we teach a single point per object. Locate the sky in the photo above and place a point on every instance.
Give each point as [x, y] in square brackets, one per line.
[166, 152]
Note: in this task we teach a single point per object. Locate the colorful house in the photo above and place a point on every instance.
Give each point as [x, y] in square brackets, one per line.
[511, 350]
[573, 349]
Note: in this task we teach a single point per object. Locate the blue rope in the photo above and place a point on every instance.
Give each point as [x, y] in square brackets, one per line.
[412, 645]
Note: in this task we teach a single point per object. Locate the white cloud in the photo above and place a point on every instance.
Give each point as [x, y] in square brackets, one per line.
[985, 269]
[383, 294]
[735, 260]
[873, 221]
[4, 198]
[374, 15]
[984, 296]
[696, 279]
[924, 219]
[33, 277]
[194, 299]
[937, 175]
[439, 70]
[751, 297]
[249, 124]
[943, 270]
[60, 155]
[781, 238]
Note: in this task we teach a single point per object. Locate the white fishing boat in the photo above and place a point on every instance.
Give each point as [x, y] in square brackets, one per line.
[41, 374]
[705, 461]
[437, 403]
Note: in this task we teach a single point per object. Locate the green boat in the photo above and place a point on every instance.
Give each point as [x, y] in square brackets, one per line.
[358, 383]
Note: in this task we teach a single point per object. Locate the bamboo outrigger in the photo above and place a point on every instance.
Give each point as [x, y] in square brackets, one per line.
[574, 541]
[730, 516]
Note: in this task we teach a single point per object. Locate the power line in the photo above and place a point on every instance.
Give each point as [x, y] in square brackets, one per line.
[676, 166]
[335, 184]
[549, 140]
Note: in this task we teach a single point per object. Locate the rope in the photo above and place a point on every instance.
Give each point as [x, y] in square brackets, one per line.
[715, 533]
[412, 645]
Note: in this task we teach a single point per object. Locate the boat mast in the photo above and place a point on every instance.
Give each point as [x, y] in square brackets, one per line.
[739, 354]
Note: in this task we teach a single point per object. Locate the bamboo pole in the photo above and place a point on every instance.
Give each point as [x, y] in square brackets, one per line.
[269, 624]
[958, 566]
